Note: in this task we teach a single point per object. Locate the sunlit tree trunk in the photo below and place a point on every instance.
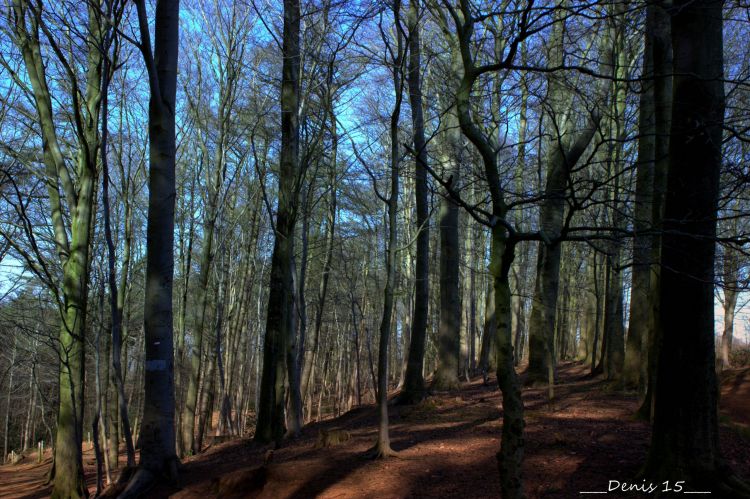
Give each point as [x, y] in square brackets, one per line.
[71, 234]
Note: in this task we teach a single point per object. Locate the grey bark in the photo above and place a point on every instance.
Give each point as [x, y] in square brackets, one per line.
[157, 432]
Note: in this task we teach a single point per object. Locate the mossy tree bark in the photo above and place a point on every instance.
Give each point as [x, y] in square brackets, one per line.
[72, 234]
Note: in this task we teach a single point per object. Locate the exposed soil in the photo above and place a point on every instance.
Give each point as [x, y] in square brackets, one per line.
[446, 446]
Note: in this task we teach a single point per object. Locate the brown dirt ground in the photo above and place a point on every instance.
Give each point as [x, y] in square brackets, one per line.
[447, 447]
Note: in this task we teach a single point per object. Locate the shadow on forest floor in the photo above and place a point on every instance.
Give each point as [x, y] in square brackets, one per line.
[447, 447]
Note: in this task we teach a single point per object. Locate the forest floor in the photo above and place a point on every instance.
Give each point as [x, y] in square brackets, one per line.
[446, 446]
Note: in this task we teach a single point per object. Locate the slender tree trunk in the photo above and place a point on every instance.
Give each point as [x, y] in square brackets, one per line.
[8, 398]
[614, 329]
[730, 304]
[413, 389]
[488, 334]
[311, 350]
[117, 296]
[382, 447]
[597, 315]
[731, 293]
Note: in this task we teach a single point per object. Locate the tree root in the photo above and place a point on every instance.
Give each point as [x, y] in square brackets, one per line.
[136, 482]
[140, 482]
[379, 451]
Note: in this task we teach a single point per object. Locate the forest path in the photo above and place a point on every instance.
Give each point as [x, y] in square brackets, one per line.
[447, 447]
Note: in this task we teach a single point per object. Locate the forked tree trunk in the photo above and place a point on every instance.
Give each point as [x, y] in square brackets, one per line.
[72, 237]
[510, 456]
[567, 147]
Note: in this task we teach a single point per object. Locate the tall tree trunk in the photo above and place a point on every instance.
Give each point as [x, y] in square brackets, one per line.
[685, 437]
[271, 420]
[567, 147]
[640, 308]
[658, 29]
[117, 296]
[72, 236]
[449, 325]
[8, 394]
[157, 433]
[510, 456]
[413, 389]
[310, 350]
[186, 265]
[614, 329]
[198, 344]
[382, 447]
